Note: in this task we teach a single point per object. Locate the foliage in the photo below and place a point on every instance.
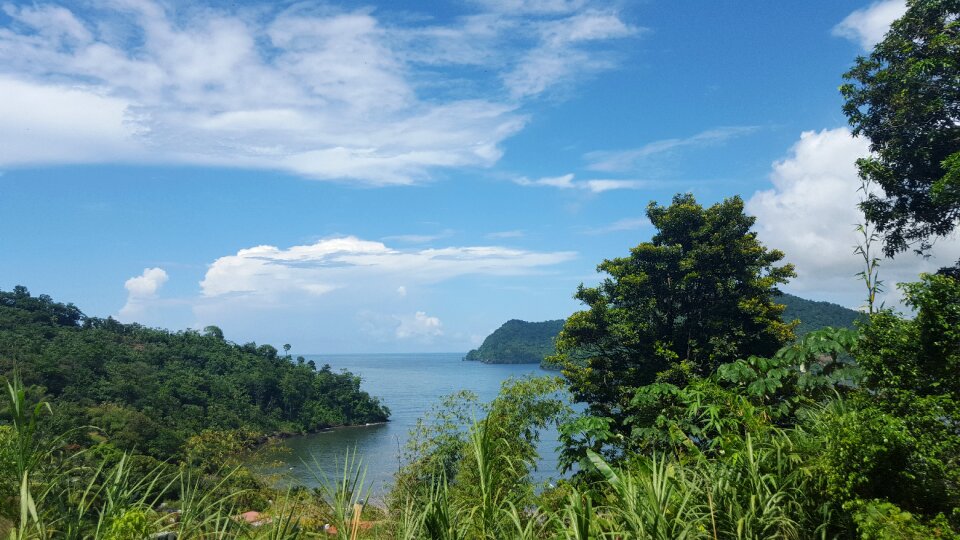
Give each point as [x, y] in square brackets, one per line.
[905, 98]
[805, 373]
[813, 315]
[210, 450]
[912, 374]
[845, 432]
[151, 390]
[518, 342]
[878, 520]
[700, 294]
[884, 453]
[469, 475]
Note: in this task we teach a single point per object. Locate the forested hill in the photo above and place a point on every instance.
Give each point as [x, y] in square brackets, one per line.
[813, 314]
[518, 342]
[521, 342]
[152, 389]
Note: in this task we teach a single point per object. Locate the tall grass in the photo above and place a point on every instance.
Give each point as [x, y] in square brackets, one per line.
[759, 488]
[345, 496]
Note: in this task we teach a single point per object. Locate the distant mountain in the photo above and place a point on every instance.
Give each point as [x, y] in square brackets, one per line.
[518, 342]
[814, 315]
[522, 342]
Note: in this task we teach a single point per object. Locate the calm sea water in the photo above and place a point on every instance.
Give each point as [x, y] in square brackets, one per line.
[409, 384]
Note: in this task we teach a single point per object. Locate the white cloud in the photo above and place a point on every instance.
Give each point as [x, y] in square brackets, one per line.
[507, 234]
[141, 290]
[594, 186]
[562, 51]
[314, 91]
[534, 6]
[420, 238]
[348, 294]
[349, 263]
[625, 224]
[811, 212]
[418, 326]
[623, 160]
[867, 26]
[561, 182]
[45, 123]
[599, 186]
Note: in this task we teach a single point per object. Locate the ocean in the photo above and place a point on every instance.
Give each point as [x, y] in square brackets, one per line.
[409, 384]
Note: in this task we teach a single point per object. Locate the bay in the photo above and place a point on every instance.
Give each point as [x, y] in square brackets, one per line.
[409, 384]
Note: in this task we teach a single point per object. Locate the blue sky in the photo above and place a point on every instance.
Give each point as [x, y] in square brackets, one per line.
[405, 176]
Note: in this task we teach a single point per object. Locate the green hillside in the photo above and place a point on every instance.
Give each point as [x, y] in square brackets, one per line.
[522, 342]
[151, 389]
[518, 342]
[813, 314]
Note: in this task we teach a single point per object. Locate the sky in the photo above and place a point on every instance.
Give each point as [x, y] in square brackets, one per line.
[406, 176]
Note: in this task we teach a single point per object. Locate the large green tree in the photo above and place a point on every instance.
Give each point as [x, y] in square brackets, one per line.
[905, 98]
[700, 293]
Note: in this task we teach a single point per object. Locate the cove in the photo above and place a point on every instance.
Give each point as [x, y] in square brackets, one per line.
[409, 384]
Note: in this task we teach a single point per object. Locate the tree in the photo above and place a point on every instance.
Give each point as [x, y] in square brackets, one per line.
[911, 369]
[700, 294]
[905, 98]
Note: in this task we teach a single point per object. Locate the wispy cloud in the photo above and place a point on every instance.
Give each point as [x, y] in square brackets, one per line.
[316, 91]
[594, 185]
[560, 182]
[419, 238]
[506, 234]
[562, 51]
[599, 186]
[625, 224]
[624, 160]
[867, 26]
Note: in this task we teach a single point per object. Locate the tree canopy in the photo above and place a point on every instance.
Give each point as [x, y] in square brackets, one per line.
[905, 98]
[518, 342]
[152, 389]
[701, 293]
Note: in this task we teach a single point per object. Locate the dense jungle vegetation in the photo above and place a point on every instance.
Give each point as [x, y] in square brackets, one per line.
[150, 390]
[705, 416]
[518, 342]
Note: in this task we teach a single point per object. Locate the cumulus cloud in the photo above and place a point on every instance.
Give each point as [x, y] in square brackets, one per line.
[623, 160]
[418, 326]
[352, 263]
[867, 26]
[348, 293]
[141, 290]
[594, 185]
[811, 213]
[314, 91]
